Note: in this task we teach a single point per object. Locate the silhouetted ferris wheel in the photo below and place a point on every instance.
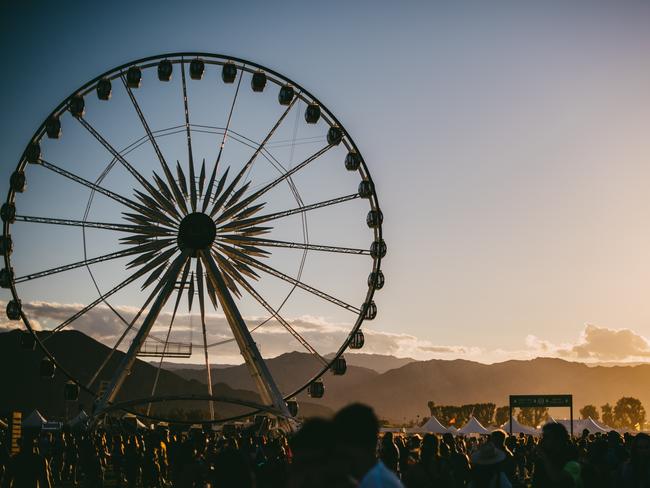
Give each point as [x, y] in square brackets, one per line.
[181, 183]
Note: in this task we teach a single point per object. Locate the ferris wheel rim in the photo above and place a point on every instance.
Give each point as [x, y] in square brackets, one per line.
[179, 57]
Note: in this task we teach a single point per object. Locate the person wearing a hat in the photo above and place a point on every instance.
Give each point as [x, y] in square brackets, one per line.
[486, 468]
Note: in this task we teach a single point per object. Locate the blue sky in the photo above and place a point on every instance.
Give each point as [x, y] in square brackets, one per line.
[507, 142]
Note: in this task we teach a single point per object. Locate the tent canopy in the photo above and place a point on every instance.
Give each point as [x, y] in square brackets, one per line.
[34, 420]
[583, 424]
[433, 426]
[473, 426]
[518, 428]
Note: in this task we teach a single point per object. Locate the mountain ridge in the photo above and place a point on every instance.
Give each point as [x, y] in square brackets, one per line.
[399, 394]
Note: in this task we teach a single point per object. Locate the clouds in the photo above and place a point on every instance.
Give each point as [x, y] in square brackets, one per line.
[598, 344]
[107, 325]
[593, 343]
[611, 344]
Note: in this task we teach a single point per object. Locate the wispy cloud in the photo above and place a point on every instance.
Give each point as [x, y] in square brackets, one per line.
[593, 344]
[106, 326]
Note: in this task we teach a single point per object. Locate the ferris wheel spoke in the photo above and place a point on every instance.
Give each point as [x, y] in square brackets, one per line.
[78, 223]
[208, 193]
[154, 143]
[189, 140]
[234, 266]
[154, 205]
[279, 274]
[102, 298]
[226, 194]
[238, 224]
[238, 239]
[269, 391]
[231, 210]
[149, 223]
[251, 291]
[78, 264]
[163, 163]
[116, 154]
[93, 186]
[161, 261]
[164, 290]
[151, 251]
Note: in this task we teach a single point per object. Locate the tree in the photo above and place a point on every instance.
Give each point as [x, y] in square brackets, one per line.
[608, 415]
[532, 416]
[502, 415]
[589, 411]
[629, 413]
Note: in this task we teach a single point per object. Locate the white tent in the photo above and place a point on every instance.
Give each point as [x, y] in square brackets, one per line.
[432, 426]
[581, 424]
[592, 426]
[34, 420]
[473, 426]
[518, 428]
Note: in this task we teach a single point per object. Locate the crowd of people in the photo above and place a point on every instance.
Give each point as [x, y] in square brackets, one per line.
[344, 452]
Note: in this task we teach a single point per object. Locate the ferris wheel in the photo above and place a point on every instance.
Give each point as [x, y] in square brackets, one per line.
[191, 207]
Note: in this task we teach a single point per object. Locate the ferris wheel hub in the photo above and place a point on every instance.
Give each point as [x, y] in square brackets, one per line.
[196, 232]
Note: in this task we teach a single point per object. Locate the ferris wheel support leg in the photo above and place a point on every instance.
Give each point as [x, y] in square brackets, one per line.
[269, 391]
[124, 369]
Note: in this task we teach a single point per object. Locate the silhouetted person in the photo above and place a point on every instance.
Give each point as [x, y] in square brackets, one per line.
[357, 429]
[316, 463]
[28, 469]
[556, 465]
[232, 469]
[636, 472]
[389, 452]
[595, 471]
[458, 461]
[4, 458]
[616, 453]
[486, 468]
[507, 466]
[431, 470]
[91, 467]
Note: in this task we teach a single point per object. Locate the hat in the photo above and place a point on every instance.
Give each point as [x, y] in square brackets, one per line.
[487, 454]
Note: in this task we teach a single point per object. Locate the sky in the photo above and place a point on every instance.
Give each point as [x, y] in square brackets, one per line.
[507, 143]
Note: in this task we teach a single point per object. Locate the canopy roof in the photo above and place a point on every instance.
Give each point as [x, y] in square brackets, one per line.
[34, 419]
[581, 424]
[433, 426]
[473, 426]
[518, 428]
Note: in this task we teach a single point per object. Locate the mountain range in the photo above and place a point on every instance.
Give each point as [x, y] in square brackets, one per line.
[397, 388]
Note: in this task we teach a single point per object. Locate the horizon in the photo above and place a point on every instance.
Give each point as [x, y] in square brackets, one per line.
[181, 362]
